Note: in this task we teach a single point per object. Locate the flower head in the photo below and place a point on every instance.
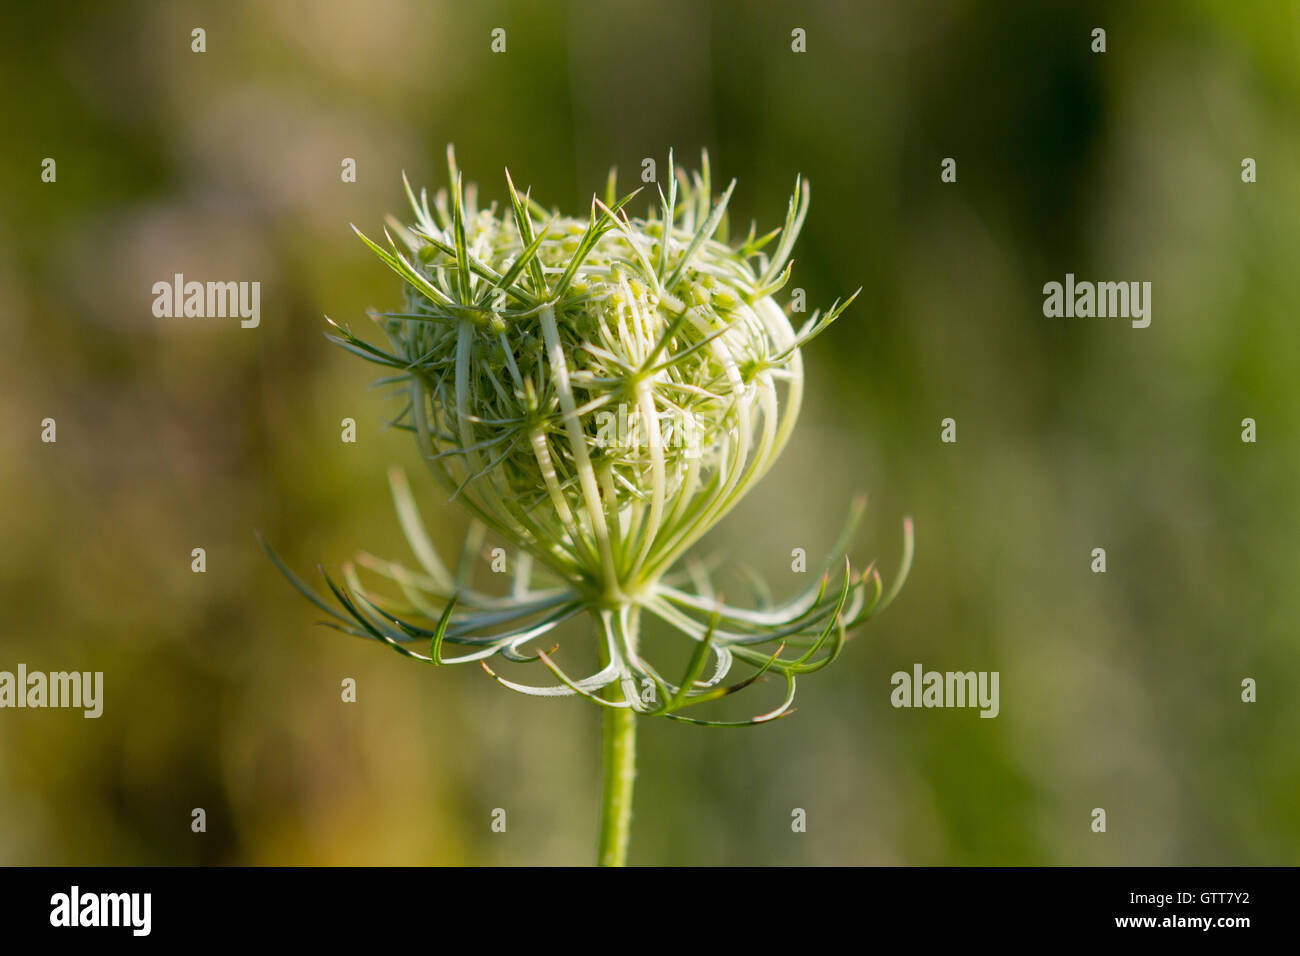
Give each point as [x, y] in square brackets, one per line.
[598, 391]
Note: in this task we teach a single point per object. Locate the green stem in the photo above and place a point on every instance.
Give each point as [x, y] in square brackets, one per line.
[620, 777]
[620, 765]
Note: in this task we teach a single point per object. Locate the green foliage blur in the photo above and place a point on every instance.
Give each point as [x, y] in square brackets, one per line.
[1118, 690]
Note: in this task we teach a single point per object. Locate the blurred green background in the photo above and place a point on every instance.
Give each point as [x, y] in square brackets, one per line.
[1119, 691]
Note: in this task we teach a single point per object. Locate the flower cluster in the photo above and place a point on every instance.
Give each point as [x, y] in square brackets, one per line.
[524, 336]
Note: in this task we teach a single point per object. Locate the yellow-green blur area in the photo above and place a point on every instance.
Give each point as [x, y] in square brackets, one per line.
[1120, 691]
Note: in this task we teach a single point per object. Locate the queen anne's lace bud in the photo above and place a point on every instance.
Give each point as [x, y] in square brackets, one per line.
[599, 392]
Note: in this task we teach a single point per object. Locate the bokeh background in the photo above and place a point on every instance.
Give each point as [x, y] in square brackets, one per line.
[1119, 691]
